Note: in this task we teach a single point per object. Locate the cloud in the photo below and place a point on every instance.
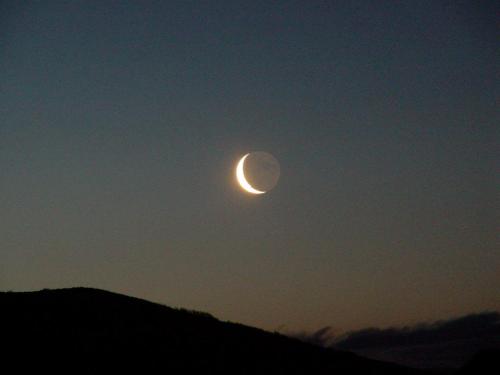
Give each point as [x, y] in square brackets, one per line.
[442, 344]
[467, 327]
[322, 337]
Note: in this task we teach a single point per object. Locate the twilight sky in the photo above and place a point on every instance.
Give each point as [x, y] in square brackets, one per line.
[121, 123]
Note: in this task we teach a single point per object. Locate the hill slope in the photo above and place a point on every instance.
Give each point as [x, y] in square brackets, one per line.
[82, 330]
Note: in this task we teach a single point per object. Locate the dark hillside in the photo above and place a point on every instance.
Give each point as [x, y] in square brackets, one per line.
[83, 330]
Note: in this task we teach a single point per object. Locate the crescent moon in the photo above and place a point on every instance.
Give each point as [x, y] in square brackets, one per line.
[240, 176]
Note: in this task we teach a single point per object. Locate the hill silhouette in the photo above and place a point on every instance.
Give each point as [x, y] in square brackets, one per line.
[485, 362]
[91, 331]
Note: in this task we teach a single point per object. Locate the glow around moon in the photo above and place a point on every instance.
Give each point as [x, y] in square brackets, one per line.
[240, 176]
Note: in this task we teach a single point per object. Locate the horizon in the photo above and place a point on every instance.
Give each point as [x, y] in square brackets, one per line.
[324, 336]
[122, 123]
[446, 345]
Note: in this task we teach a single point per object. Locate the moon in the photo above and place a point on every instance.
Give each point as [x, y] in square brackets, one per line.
[257, 172]
[240, 176]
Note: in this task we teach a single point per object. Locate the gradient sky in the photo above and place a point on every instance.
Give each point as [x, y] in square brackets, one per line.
[121, 123]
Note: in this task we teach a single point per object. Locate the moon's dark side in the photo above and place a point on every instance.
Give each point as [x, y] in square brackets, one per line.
[262, 170]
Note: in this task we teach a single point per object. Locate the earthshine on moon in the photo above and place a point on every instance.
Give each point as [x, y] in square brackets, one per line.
[257, 172]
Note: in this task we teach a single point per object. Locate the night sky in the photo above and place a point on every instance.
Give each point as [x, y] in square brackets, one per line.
[121, 124]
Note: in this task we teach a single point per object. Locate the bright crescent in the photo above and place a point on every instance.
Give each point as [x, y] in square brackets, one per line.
[240, 176]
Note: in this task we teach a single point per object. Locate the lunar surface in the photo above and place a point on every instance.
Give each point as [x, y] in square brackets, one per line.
[257, 172]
